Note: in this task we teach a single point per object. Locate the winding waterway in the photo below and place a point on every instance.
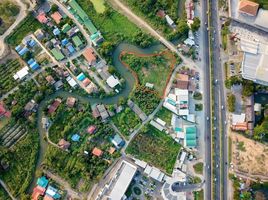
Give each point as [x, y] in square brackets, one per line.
[129, 84]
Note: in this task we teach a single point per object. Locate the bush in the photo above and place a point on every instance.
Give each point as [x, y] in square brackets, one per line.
[231, 103]
[197, 96]
[198, 168]
[198, 107]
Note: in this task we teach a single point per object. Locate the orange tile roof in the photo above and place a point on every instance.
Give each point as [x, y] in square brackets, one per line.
[38, 191]
[91, 129]
[248, 7]
[111, 150]
[97, 152]
[240, 126]
[56, 16]
[86, 82]
[89, 55]
[42, 18]
[48, 198]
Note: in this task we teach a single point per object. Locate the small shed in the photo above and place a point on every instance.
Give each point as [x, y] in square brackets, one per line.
[75, 138]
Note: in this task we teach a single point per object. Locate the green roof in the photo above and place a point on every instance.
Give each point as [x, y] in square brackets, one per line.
[66, 28]
[190, 136]
[78, 9]
[57, 54]
[90, 26]
[77, 41]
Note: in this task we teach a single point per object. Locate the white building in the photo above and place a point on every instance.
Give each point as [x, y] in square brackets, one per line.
[71, 82]
[170, 21]
[112, 81]
[154, 173]
[21, 74]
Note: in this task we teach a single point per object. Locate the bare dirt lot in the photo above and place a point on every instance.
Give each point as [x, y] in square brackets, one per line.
[249, 156]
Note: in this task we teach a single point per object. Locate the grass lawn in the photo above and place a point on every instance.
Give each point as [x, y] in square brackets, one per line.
[156, 148]
[153, 69]
[165, 115]
[198, 168]
[126, 121]
[3, 121]
[114, 27]
[29, 24]
[7, 71]
[98, 5]
[8, 13]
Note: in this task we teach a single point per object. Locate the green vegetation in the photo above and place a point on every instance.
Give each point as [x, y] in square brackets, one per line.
[198, 168]
[3, 194]
[76, 166]
[21, 159]
[99, 5]
[150, 69]
[224, 35]
[146, 99]
[165, 115]
[8, 13]
[7, 70]
[137, 190]
[126, 121]
[197, 96]
[263, 3]
[198, 107]
[29, 24]
[155, 147]
[261, 131]
[195, 180]
[231, 102]
[248, 88]
[199, 195]
[148, 10]
[240, 146]
[196, 24]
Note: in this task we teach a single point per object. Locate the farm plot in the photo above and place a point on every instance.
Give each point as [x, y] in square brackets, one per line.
[9, 135]
[7, 71]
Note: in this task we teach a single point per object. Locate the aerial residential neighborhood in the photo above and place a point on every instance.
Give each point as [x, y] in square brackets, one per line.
[133, 100]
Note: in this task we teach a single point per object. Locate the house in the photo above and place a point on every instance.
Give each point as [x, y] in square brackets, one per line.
[103, 112]
[39, 34]
[112, 81]
[117, 141]
[95, 112]
[90, 56]
[56, 31]
[46, 197]
[86, 82]
[37, 192]
[23, 51]
[71, 49]
[42, 18]
[57, 54]
[22, 73]
[53, 192]
[96, 38]
[97, 152]
[42, 182]
[91, 129]
[71, 82]
[81, 76]
[238, 122]
[66, 28]
[70, 102]
[189, 42]
[64, 42]
[75, 137]
[63, 144]
[182, 81]
[58, 85]
[190, 136]
[50, 79]
[248, 7]
[170, 21]
[161, 14]
[30, 106]
[56, 16]
[54, 106]
[111, 150]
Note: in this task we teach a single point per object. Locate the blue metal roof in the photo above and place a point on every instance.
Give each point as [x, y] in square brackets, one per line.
[18, 48]
[31, 61]
[71, 49]
[64, 42]
[75, 137]
[34, 66]
[32, 43]
[23, 51]
[56, 31]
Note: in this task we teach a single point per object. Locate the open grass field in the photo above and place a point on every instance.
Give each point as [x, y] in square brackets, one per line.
[7, 71]
[151, 68]
[165, 115]
[3, 122]
[29, 24]
[99, 5]
[156, 148]
[8, 13]
[126, 121]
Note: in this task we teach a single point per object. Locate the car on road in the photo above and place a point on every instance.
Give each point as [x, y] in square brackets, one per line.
[215, 118]
[216, 81]
[207, 118]
[222, 107]
[217, 165]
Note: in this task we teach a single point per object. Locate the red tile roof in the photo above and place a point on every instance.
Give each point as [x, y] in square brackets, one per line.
[89, 55]
[97, 152]
[48, 198]
[53, 107]
[4, 112]
[182, 81]
[86, 82]
[91, 129]
[42, 18]
[56, 16]
[248, 7]
[161, 13]
[64, 144]
[38, 191]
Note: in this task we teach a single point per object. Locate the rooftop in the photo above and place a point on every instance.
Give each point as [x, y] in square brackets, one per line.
[56, 16]
[248, 7]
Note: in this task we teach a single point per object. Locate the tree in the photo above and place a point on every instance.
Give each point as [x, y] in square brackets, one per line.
[231, 103]
[196, 24]
[248, 88]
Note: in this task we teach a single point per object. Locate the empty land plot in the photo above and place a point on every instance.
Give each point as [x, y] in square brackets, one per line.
[98, 5]
[126, 121]
[7, 70]
[165, 115]
[246, 160]
[156, 148]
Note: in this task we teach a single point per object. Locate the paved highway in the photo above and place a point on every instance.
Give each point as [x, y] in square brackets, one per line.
[220, 141]
[207, 97]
